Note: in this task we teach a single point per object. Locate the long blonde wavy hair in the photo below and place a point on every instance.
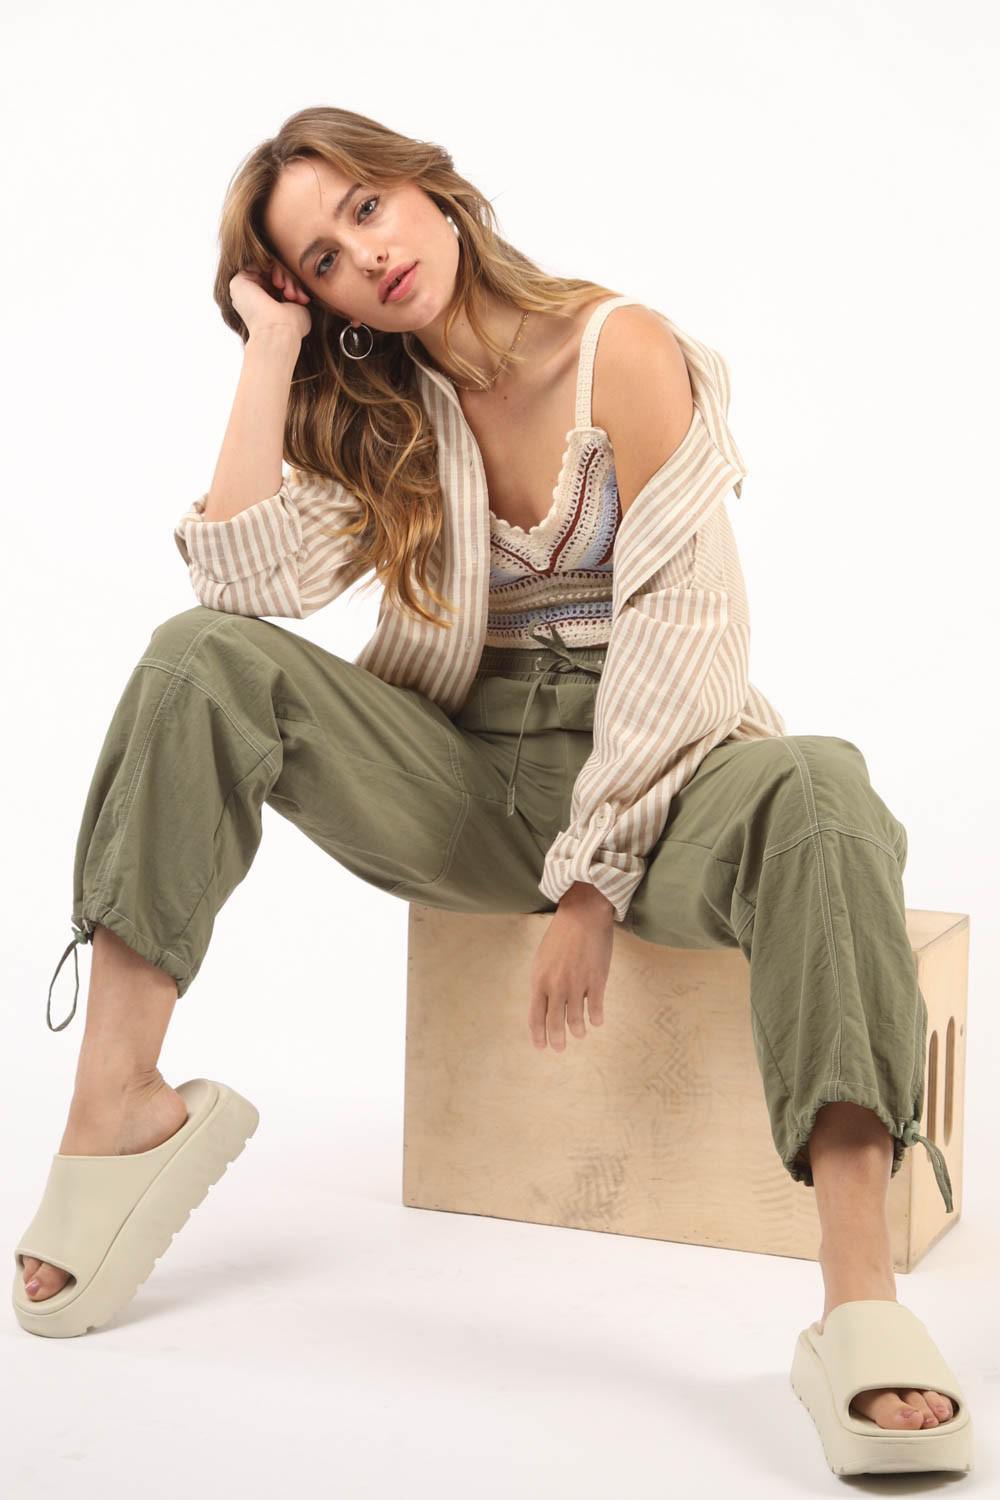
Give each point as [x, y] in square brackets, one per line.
[362, 422]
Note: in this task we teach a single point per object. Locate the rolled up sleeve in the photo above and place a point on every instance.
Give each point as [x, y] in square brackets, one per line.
[273, 557]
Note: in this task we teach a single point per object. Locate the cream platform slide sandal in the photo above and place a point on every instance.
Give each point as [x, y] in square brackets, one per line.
[108, 1219]
[869, 1345]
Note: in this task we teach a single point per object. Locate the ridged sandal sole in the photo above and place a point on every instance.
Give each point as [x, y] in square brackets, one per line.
[878, 1344]
[108, 1219]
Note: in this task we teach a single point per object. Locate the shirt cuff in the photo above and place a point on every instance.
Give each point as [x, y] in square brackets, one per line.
[253, 541]
[587, 856]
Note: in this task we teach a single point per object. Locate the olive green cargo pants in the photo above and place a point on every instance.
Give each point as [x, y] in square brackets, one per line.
[779, 846]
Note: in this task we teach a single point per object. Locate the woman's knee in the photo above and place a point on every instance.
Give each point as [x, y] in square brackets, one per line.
[175, 635]
[838, 787]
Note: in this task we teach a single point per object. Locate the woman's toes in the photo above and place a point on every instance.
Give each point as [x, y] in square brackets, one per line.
[940, 1405]
[50, 1279]
[936, 1407]
[888, 1409]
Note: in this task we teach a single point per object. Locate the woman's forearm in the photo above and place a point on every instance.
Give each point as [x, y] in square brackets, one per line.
[249, 466]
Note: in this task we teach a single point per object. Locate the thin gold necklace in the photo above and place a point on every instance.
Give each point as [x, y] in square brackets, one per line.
[500, 368]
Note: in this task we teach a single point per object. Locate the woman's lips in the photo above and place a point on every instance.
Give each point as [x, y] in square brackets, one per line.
[402, 286]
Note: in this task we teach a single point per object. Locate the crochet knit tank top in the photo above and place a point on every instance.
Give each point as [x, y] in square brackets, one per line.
[559, 572]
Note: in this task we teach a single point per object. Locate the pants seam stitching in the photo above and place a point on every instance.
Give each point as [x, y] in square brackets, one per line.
[229, 795]
[106, 906]
[805, 780]
[830, 827]
[443, 873]
[104, 874]
[452, 843]
[456, 766]
[152, 661]
[739, 933]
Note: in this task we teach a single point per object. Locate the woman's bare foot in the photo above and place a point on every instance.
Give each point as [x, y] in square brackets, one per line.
[901, 1409]
[110, 1119]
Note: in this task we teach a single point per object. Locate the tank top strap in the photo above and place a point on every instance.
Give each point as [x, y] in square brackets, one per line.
[588, 352]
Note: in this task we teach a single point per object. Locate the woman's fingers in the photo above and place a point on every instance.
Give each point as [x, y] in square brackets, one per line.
[287, 284]
[548, 1019]
[574, 1017]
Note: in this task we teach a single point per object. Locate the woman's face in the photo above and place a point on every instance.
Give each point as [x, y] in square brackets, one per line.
[339, 239]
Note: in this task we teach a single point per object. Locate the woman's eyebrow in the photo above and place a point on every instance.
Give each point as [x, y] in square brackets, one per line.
[315, 244]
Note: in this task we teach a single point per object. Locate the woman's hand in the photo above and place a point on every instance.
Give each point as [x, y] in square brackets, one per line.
[260, 309]
[572, 961]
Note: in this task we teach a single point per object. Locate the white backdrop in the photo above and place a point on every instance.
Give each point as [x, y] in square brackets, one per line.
[809, 188]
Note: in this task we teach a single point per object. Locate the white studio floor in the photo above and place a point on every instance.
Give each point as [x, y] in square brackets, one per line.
[305, 1328]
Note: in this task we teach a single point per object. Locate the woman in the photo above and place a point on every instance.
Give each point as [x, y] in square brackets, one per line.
[581, 737]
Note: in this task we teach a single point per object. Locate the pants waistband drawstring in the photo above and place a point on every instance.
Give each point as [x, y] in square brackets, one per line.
[568, 663]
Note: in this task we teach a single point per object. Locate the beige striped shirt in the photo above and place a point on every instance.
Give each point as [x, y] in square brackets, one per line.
[676, 677]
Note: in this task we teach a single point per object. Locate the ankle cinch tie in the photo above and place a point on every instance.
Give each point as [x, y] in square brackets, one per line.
[568, 663]
[83, 935]
[910, 1137]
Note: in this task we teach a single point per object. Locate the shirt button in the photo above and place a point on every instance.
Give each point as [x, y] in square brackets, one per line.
[539, 660]
[468, 643]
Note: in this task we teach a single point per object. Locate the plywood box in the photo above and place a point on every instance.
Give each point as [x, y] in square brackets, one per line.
[655, 1123]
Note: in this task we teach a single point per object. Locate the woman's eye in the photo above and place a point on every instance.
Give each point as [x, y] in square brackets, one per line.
[364, 201]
